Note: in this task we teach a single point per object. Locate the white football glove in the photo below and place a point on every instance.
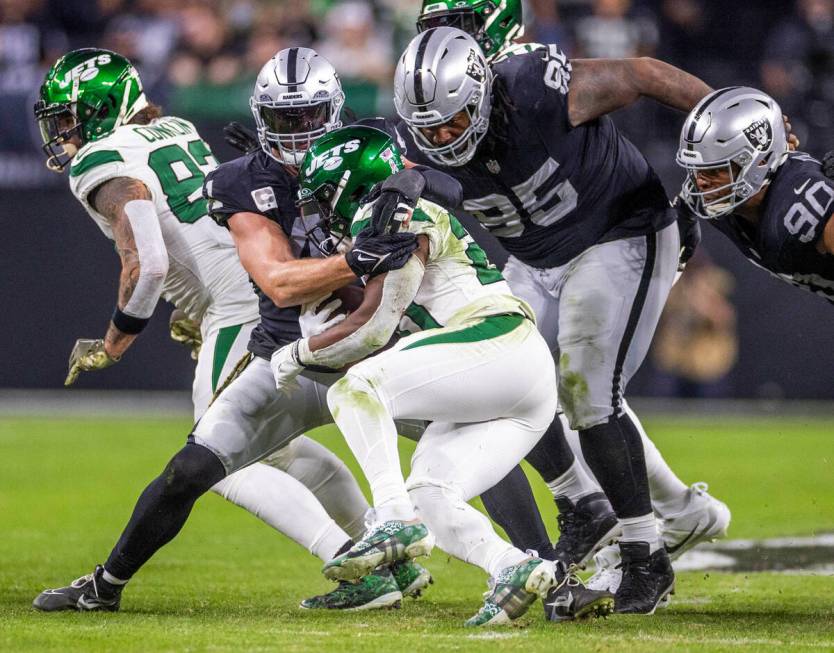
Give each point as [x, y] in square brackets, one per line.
[315, 318]
[86, 356]
[186, 331]
[285, 367]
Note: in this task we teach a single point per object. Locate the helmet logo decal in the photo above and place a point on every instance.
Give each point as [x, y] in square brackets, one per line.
[332, 159]
[759, 134]
[387, 155]
[474, 68]
[86, 70]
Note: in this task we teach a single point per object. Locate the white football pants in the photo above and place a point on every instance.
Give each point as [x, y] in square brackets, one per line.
[489, 400]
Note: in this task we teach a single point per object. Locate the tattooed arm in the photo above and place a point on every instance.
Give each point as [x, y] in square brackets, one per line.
[600, 86]
[126, 204]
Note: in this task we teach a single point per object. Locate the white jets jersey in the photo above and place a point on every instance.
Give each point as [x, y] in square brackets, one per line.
[205, 278]
[459, 284]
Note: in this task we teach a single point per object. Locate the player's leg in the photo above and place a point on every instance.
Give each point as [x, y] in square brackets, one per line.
[237, 429]
[611, 301]
[264, 491]
[435, 375]
[586, 519]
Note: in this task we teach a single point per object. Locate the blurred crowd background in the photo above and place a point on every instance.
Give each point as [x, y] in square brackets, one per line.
[199, 59]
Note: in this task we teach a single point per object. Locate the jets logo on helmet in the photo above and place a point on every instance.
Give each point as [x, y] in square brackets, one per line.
[330, 159]
[86, 96]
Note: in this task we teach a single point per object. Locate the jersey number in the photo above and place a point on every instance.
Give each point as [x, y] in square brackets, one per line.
[801, 220]
[542, 200]
[181, 178]
[485, 271]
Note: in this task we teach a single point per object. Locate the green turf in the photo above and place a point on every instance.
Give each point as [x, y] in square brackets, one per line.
[229, 583]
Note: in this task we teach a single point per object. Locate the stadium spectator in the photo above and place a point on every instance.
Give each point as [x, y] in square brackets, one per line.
[798, 70]
[612, 31]
[544, 25]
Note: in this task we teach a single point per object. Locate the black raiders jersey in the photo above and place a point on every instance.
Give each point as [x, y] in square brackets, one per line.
[549, 191]
[798, 204]
[257, 183]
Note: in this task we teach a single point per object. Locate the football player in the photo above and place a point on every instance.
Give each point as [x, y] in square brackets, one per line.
[775, 205]
[140, 177]
[472, 331]
[584, 515]
[593, 244]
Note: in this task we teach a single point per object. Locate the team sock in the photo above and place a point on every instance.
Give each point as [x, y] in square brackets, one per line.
[573, 484]
[641, 529]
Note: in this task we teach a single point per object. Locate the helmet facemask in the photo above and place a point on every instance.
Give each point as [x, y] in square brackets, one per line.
[324, 227]
[58, 125]
[291, 130]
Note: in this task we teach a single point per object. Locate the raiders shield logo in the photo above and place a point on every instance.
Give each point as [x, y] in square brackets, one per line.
[759, 134]
[474, 68]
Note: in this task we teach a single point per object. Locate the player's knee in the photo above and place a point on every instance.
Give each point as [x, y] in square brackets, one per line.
[584, 406]
[192, 471]
[426, 493]
[352, 390]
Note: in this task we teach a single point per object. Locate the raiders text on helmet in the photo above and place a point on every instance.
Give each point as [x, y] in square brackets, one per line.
[297, 98]
[442, 73]
[737, 129]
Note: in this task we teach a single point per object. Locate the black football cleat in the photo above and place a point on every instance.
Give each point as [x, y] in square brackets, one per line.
[88, 593]
[647, 579]
[584, 528]
[569, 599]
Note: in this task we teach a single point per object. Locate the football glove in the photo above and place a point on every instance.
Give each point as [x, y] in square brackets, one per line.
[241, 138]
[285, 367]
[316, 318]
[376, 254]
[828, 165]
[186, 331]
[86, 356]
[689, 229]
[397, 197]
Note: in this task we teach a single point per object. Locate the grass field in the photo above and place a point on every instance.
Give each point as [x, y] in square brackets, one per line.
[229, 583]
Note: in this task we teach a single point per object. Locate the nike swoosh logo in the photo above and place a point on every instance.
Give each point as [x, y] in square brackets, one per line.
[671, 549]
[364, 258]
[561, 601]
[799, 190]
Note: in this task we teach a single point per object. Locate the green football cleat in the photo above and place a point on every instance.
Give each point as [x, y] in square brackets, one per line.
[377, 590]
[389, 542]
[411, 578]
[514, 591]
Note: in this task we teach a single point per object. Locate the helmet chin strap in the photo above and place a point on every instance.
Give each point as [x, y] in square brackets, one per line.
[54, 162]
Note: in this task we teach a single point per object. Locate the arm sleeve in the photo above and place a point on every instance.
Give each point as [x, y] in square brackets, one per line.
[153, 258]
[398, 291]
[441, 188]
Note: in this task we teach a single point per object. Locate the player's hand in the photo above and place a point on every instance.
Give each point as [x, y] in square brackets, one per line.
[793, 141]
[828, 165]
[397, 197]
[241, 138]
[317, 317]
[86, 356]
[689, 229]
[376, 254]
[186, 331]
[285, 367]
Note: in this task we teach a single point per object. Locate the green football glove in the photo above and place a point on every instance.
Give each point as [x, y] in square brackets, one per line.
[86, 356]
[186, 331]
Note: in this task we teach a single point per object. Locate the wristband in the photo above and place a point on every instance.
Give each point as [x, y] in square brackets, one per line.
[127, 323]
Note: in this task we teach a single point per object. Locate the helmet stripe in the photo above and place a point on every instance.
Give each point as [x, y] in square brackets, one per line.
[418, 64]
[292, 69]
[702, 107]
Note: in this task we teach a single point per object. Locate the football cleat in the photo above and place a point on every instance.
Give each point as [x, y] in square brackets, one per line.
[609, 573]
[88, 593]
[376, 590]
[386, 543]
[646, 579]
[411, 578]
[513, 592]
[572, 599]
[703, 518]
[584, 528]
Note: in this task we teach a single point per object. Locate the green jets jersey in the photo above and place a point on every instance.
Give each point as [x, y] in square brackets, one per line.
[205, 278]
[460, 284]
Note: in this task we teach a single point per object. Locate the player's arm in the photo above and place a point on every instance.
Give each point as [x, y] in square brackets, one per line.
[366, 330]
[826, 243]
[600, 86]
[127, 206]
[266, 254]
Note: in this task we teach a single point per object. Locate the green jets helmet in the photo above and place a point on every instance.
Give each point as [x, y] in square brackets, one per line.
[87, 93]
[337, 174]
[494, 24]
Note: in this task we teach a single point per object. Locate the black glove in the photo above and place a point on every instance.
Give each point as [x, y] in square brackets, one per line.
[828, 165]
[241, 138]
[395, 199]
[374, 254]
[689, 229]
